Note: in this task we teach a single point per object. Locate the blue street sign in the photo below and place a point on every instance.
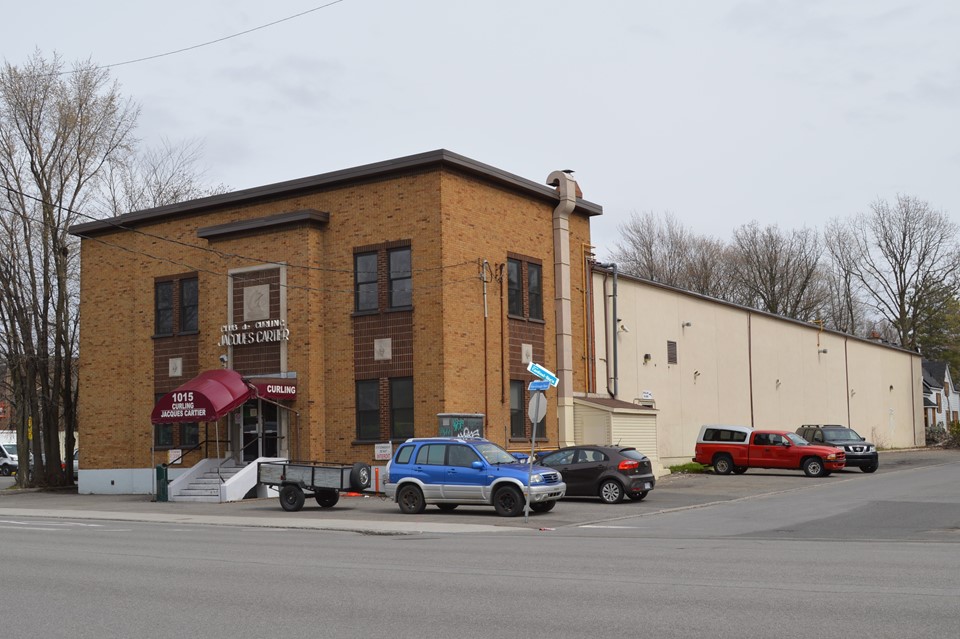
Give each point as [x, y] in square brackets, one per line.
[539, 385]
[543, 373]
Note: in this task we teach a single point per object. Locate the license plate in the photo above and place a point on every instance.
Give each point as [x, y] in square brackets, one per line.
[646, 486]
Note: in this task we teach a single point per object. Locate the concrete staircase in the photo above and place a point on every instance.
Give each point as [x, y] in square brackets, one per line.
[205, 487]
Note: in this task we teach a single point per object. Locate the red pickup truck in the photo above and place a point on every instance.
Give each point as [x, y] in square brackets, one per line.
[737, 448]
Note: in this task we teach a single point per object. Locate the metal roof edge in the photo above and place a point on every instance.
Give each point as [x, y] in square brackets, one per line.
[341, 176]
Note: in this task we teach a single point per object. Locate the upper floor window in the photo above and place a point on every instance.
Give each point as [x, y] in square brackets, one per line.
[535, 290]
[189, 302]
[365, 281]
[368, 409]
[176, 303]
[163, 308]
[401, 278]
[524, 288]
[382, 277]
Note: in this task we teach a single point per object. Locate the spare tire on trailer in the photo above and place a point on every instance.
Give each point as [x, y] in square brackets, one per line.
[360, 477]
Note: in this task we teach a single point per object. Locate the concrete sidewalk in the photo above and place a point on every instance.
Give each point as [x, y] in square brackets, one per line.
[373, 514]
[352, 514]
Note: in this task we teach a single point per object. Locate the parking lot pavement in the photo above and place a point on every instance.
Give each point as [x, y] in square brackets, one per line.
[374, 513]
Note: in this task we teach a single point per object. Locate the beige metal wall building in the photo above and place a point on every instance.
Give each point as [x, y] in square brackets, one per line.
[697, 361]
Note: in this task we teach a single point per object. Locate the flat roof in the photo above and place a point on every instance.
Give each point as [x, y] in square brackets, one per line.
[440, 158]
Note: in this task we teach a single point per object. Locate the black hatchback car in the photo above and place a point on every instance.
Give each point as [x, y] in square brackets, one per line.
[608, 472]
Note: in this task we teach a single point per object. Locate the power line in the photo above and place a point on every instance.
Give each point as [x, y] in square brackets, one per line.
[208, 43]
[206, 249]
[194, 268]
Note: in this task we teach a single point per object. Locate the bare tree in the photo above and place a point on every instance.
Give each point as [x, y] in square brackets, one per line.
[779, 272]
[845, 307]
[61, 132]
[660, 248]
[155, 177]
[906, 257]
[57, 131]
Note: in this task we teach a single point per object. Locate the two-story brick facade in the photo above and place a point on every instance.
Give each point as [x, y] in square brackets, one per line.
[362, 303]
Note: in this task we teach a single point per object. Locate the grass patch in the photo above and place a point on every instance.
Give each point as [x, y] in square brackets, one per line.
[690, 467]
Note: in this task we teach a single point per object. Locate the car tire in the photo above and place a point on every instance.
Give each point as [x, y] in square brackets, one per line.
[723, 464]
[870, 469]
[410, 500]
[508, 502]
[739, 470]
[543, 506]
[447, 507]
[611, 492]
[813, 467]
[5, 470]
[638, 496]
[291, 498]
[360, 477]
[327, 498]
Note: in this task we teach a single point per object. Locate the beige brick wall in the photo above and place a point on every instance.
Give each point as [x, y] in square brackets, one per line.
[453, 222]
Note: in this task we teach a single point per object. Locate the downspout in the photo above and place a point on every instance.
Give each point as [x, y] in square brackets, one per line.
[750, 362]
[567, 189]
[612, 332]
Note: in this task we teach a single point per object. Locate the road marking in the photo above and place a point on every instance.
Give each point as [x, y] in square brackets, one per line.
[597, 526]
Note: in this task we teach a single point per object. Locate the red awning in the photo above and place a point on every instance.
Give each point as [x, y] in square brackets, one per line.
[205, 398]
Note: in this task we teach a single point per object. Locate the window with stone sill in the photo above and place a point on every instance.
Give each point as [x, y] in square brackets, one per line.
[176, 303]
[524, 288]
[382, 271]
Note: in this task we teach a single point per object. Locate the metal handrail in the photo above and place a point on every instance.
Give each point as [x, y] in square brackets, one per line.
[183, 454]
[243, 448]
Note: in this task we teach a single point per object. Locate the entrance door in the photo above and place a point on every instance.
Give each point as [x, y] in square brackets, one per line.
[260, 429]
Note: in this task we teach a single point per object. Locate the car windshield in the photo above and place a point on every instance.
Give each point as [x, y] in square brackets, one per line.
[11, 449]
[842, 434]
[797, 439]
[494, 454]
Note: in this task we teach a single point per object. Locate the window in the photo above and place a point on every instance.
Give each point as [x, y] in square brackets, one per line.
[524, 288]
[561, 458]
[189, 434]
[404, 454]
[365, 281]
[171, 318]
[401, 281]
[163, 435]
[671, 352]
[514, 288]
[368, 409]
[401, 407]
[535, 290]
[461, 456]
[163, 308]
[432, 454]
[517, 427]
[188, 306]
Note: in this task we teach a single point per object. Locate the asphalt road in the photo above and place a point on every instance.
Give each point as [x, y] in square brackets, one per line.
[757, 555]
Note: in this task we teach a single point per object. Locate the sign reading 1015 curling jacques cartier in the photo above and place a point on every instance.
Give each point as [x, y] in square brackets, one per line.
[260, 332]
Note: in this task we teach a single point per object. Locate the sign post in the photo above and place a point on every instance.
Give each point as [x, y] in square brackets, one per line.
[536, 412]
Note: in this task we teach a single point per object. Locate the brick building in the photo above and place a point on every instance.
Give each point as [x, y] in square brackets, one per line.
[361, 304]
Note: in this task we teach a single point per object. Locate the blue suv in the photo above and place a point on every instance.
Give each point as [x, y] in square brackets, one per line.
[451, 471]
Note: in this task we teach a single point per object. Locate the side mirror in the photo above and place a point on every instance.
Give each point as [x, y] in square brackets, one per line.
[476, 464]
[787, 443]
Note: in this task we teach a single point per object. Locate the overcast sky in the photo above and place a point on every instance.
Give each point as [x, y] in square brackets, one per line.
[721, 112]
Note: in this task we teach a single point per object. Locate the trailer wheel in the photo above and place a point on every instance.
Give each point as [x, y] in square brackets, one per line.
[291, 498]
[360, 477]
[327, 498]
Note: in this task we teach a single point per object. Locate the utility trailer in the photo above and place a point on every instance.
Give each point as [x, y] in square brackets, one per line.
[323, 480]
